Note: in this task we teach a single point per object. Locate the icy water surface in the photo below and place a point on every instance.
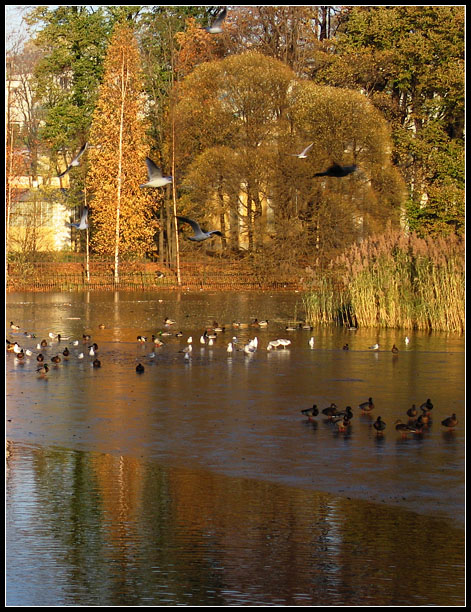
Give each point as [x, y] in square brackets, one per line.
[199, 482]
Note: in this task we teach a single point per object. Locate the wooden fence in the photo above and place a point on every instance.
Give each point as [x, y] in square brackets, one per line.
[226, 275]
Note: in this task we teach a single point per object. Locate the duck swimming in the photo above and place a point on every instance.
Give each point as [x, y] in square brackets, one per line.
[56, 359]
[139, 368]
[407, 429]
[330, 411]
[412, 412]
[450, 422]
[43, 370]
[310, 412]
[367, 406]
[427, 406]
[379, 425]
[96, 363]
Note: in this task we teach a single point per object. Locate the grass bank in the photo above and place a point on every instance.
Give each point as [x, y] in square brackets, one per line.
[395, 281]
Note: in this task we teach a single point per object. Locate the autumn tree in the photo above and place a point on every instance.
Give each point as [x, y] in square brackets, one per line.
[122, 212]
[239, 122]
[236, 102]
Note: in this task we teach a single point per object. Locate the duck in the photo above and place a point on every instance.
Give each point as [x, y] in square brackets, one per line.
[43, 370]
[345, 347]
[394, 349]
[310, 412]
[14, 327]
[96, 363]
[306, 326]
[86, 337]
[10, 346]
[427, 406]
[290, 328]
[422, 420]
[142, 338]
[412, 412]
[168, 321]
[379, 425]
[40, 358]
[156, 341]
[66, 352]
[56, 359]
[367, 406]
[43, 343]
[330, 411]
[20, 355]
[139, 368]
[450, 422]
[101, 326]
[342, 422]
[347, 412]
[406, 429]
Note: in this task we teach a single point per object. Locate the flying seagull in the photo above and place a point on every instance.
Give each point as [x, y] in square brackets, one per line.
[75, 161]
[155, 176]
[304, 153]
[199, 235]
[83, 223]
[216, 26]
[337, 171]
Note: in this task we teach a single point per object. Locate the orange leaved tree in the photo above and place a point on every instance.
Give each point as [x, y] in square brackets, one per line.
[122, 213]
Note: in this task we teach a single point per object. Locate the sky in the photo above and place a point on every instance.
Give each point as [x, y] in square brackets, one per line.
[13, 23]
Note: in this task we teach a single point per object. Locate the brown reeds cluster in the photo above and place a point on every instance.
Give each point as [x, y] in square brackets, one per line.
[395, 280]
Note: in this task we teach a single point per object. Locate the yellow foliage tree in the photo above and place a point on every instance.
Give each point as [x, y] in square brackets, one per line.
[122, 213]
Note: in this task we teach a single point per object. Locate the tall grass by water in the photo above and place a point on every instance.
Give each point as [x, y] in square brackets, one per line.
[395, 280]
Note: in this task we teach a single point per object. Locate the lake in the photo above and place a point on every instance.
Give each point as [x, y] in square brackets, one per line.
[199, 481]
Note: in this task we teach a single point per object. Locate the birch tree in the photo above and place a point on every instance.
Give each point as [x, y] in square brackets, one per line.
[121, 211]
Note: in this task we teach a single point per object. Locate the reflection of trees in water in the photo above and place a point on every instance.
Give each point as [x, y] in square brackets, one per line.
[133, 532]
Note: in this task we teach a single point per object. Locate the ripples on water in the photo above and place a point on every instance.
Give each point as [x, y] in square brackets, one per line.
[200, 483]
[87, 528]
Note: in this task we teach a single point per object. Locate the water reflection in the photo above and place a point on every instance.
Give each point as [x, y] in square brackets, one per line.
[115, 530]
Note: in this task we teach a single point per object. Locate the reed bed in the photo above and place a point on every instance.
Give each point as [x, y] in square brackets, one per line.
[395, 281]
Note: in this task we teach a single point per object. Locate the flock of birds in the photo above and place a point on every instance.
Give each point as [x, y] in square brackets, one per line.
[419, 419]
[156, 179]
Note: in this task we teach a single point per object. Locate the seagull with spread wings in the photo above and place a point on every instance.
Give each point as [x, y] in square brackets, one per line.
[75, 161]
[199, 234]
[83, 223]
[216, 26]
[303, 153]
[156, 179]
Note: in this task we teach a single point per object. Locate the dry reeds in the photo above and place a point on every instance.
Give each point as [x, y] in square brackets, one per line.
[396, 281]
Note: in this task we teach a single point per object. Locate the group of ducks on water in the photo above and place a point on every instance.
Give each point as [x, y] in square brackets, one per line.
[417, 423]
[341, 418]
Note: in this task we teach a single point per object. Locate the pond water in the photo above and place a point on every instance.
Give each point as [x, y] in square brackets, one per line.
[199, 482]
